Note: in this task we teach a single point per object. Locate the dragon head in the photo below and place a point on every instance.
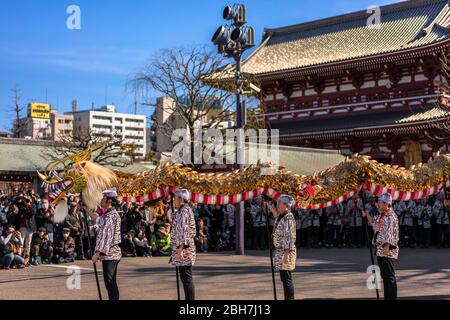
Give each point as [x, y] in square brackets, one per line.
[76, 174]
[59, 184]
[307, 194]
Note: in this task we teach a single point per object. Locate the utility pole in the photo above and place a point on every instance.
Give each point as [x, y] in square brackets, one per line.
[232, 40]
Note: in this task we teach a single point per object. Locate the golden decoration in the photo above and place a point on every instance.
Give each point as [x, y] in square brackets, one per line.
[329, 184]
[326, 186]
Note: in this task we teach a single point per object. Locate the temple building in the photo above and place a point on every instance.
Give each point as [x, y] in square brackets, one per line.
[349, 84]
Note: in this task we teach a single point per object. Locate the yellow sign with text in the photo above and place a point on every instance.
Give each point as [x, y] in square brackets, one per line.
[39, 110]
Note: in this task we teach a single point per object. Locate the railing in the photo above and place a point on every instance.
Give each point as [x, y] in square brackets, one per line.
[348, 99]
[349, 105]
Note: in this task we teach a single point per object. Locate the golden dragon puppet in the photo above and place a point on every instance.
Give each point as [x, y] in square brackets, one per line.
[76, 174]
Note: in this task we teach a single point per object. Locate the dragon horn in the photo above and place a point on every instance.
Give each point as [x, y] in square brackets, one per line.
[44, 178]
[41, 176]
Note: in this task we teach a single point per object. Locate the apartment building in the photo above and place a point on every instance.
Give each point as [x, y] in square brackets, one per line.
[106, 122]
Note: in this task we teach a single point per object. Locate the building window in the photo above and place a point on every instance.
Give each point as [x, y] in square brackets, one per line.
[134, 129]
[102, 134]
[135, 120]
[99, 126]
[102, 118]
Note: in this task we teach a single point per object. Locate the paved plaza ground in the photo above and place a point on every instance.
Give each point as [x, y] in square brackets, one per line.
[320, 274]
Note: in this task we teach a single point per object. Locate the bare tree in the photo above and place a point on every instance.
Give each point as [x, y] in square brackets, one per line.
[177, 75]
[113, 154]
[440, 133]
[19, 121]
[444, 60]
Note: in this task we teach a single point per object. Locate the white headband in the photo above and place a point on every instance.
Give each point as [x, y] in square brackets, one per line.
[183, 193]
[288, 200]
[111, 193]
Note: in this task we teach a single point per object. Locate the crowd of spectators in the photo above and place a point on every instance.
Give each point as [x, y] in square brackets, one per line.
[29, 235]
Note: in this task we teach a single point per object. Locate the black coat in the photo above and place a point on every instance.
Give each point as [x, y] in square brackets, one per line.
[43, 221]
[29, 212]
[36, 240]
[74, 223]
[64, 246]
[128, 247]
[13, 219]
[134, 221]
[3, 222]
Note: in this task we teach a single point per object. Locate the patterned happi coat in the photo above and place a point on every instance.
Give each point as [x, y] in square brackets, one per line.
[440, 212]
[284, 236]
[424, 213]
[108, 236]
[182, 232]
[388, 232]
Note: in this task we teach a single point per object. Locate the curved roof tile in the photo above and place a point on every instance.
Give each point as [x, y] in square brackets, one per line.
[405, 25]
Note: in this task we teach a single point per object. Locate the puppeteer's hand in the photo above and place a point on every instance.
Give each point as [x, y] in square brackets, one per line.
[95, 257]
[286, 257]
[180, 255]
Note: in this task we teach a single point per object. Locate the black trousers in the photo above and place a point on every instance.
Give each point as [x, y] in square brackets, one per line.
[425, 237]
[188, 282]
[443, 235]
[79, 246]
[298, 239]
[303, 237]
[110, 278]
[333, 235]
[388, 275]
[259, 237]
[288, 284]
[313, 236]
[356, 236]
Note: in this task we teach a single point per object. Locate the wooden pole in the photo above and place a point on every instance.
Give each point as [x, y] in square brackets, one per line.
[90, 250]
[361, 194]
[177, 270]
[269, 241]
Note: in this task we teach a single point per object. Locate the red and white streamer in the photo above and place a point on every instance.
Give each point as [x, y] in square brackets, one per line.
[206, 199]
[405, 195]
[374, 189]
[378, 190]
[334, 202]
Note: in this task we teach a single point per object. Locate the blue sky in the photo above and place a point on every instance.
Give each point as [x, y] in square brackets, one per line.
[53, 64]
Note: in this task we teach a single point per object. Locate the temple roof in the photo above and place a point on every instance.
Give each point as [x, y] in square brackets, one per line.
[404, 26]
[436, 113]
[362, 121]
